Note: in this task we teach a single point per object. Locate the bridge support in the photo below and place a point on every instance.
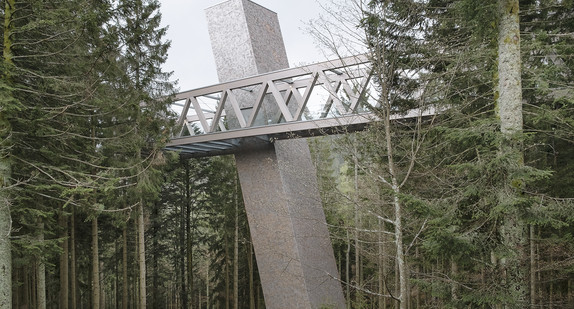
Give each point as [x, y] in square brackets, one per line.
[288, 228]
[279, 184]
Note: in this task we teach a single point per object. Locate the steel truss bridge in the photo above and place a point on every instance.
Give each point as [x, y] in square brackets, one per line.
[324, 98]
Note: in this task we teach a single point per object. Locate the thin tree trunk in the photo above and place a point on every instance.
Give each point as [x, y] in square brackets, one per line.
[155, 302]
[64, 285]
[358, 294]
[189, 244]
[348, 271]
[40, 273]
[33, 296]
[551, 289]
[95, 266]
[236, 256]
[207, 281]
[182, 245]
[135, 268]
[5, 248]
[420, 269]
[28, 294]
[125, 268]
[73, 260]
[400, 256]
[532, 269]
[6, 172]
[570, 297]
[102, 285]
[381, 270]
[117, 274]
[141, 257]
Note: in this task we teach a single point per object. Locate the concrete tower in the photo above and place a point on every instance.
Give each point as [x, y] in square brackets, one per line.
[279, 184]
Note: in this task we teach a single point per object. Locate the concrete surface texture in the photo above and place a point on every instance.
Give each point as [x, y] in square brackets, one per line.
[279, 184]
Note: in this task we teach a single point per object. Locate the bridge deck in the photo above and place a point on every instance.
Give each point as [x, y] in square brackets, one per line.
[324, 98]
[311, 100]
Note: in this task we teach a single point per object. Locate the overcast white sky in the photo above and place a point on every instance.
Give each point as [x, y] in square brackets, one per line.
[190, 56]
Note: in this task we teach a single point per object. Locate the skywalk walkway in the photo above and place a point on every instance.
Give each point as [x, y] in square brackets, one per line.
[318, 99]
[324, 98]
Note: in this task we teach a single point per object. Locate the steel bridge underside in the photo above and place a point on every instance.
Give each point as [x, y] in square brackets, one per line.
[233, 141]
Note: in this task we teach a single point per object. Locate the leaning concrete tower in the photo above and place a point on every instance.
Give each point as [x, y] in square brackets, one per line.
[278, 180]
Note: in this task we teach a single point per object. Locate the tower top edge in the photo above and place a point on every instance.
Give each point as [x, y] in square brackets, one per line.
[242, 1]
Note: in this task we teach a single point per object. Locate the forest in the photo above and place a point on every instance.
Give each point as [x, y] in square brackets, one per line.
[470, 208]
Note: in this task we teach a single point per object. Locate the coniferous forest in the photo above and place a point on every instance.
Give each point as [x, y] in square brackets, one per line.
[472, 207]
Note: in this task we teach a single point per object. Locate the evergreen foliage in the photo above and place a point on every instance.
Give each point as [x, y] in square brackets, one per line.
[84, 117]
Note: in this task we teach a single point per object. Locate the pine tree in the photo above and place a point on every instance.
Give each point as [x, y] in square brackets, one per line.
[7, 105]
[147, 91]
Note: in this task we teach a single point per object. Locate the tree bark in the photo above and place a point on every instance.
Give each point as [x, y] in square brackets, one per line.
[236, 256]
[510, 112]
[95, 266]
[509, 69]
[358, 281]
[40, 272]
[381, 270]
[155, 301]
[102, 286]
[73, 260]
[532, 269]
[5, 229]
[141, 257]
[207, 281]
[348, 271]
[6, 173]
[64, 285]
[188, 241]
[182, 245]
[125, 268]
[400, 256]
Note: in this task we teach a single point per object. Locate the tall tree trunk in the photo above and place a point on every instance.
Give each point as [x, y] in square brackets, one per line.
[513, 229]
[532, 268]
[5, 248]
[40, 272]
[102, 285]
[348, 270]
[32, 295]
[188, 241]
[73, 260]
[117, 275]
[141, 257]
[358, 293]
[95, 266]
[5, 171]
[135, 269]
[236, 255]
[64, 285]
[381, 261]
[207, 281]
[400, 256]
[182, 245]
[125, 280]
[155, 302]
[570, 291]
